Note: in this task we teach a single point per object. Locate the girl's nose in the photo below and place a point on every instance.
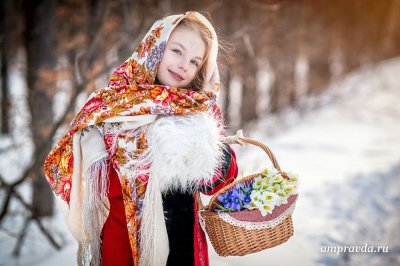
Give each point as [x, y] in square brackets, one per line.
[183, 65]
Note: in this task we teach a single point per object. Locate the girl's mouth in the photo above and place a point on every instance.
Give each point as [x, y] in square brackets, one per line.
[176, 76]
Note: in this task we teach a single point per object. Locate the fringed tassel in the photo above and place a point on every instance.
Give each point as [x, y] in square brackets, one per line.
[94, 215]
[153, 236]
[154, 246]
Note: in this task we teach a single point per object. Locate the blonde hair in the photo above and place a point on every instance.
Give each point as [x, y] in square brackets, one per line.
[191, 22]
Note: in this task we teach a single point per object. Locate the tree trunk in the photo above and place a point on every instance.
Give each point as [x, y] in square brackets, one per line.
[248, 73]
[282, 54]
[248, 108]
[40, 44]
[5, 101]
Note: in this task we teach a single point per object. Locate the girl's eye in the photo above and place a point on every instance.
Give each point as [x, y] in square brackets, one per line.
[177, 51]
[194, 62]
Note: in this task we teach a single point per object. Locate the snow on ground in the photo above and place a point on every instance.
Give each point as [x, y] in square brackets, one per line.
[345, 147]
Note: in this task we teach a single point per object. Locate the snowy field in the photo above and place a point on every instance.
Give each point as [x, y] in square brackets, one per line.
[346, 148]
[344, 145]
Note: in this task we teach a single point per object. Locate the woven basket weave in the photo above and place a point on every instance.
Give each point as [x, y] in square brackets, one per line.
[247, 231]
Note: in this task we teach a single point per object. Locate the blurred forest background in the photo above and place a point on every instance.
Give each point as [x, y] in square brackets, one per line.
[277, 52]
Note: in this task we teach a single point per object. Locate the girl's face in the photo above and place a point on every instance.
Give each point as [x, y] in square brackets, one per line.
[182, 59]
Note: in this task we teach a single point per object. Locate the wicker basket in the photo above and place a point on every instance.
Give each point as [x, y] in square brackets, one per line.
[247, 231]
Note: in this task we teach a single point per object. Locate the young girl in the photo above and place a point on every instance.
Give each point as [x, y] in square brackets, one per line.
[126, 171]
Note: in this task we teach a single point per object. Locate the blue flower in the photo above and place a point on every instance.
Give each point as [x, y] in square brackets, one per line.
[248, 188]
[246, 200]
[237, 198]
[225, 199]
[236, 202]
[241, 195]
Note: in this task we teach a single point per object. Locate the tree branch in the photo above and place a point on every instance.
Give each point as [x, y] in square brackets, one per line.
[38, 221]
[21, 237]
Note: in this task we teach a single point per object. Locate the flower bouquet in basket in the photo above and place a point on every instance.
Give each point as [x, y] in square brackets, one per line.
[253, 213]
[265, 192]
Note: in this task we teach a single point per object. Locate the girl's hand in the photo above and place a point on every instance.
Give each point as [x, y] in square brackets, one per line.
[235, 138]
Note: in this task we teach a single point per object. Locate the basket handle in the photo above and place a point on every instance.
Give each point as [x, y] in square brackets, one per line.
[265, 149]
[212, 205]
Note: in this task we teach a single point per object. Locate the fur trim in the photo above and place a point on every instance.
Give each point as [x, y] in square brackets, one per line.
[185, 149]
[182, 151]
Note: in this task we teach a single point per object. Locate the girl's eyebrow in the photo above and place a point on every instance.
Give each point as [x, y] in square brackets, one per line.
[184, 48]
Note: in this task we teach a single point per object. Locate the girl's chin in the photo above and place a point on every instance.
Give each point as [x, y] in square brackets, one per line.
[172, 83]
[175, 84]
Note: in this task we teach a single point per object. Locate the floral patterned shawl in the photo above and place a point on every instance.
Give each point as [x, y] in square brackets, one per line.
[131, 92]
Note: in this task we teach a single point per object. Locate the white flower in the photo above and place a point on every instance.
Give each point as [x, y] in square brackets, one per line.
[290, 189]
[265, 184]
[294, 178]
[277, 178]
[275, 188]
[284, 183]
[251, 206]
[266, 208]
[272, 172]
[281, 193]
[255, 197]
[265, 171]
[258, 181]
[256, 200]
[282, 199]
[271, 189]
[268, 197]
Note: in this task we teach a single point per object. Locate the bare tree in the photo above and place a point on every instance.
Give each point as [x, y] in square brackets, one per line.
[5, 50]
[40, 18]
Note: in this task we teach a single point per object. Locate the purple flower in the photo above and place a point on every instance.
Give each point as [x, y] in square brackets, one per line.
[155, 56]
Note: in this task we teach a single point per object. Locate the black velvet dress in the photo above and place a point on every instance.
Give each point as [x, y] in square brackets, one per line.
[179, 215]
[178, 212]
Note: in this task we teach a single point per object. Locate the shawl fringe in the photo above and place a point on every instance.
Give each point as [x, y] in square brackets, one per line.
[94, 212]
